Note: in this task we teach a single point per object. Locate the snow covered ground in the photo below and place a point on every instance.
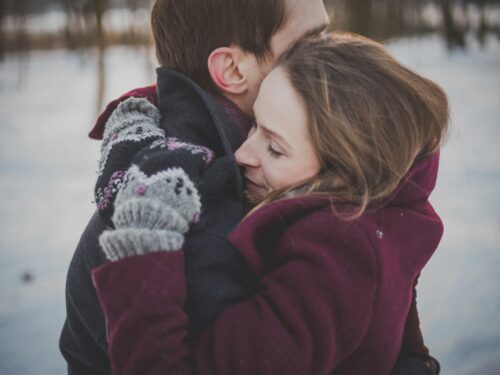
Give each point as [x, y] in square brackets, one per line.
[459, 298]
[47, 170]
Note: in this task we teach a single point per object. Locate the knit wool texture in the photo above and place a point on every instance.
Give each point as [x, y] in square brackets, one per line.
[121, 243]
[171, 187]
[133, 125]
[148, 213]
[133, 135]
[151, 213]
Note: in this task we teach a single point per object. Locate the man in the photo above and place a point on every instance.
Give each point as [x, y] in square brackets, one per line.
[227, 47]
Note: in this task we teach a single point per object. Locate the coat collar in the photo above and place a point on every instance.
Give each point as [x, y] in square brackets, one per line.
[412, 192]
[228, 114]
[191, 112]
[260, 232]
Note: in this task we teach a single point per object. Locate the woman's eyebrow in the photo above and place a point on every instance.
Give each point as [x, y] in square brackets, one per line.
[275, 135]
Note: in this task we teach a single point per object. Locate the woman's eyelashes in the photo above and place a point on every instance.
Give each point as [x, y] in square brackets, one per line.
[274, 153]
[264, 136]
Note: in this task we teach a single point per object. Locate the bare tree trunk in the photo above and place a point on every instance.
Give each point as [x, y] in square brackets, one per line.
[131, 32]
[395, 23]
[99, 9]
[483, 27]
[360, 14]
[2, 31]
[21, 40]
[454, 35]
[69, 32]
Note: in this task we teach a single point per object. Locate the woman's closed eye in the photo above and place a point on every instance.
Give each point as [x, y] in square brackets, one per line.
[273, 152]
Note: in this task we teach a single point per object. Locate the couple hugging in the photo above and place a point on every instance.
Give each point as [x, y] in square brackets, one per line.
[263, 209]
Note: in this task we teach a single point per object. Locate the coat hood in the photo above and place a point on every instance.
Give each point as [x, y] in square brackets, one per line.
[413, 191]
[418, 183]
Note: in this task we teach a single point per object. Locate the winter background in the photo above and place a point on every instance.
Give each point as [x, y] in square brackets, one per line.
[51, 92]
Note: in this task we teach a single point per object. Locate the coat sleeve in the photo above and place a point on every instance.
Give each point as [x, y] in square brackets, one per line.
[309, 313]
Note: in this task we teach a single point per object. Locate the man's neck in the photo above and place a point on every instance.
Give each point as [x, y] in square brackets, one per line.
[241, 120]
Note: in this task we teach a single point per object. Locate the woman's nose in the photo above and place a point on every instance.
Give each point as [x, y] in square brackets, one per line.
[245, 155]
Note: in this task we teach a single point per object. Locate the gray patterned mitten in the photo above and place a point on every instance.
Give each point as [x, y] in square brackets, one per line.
[152, 213]
[133, 125]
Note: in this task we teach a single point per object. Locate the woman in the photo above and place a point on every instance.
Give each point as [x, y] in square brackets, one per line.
[343, 157]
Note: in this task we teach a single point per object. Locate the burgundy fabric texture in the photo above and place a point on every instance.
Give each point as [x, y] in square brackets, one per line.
[332, 295]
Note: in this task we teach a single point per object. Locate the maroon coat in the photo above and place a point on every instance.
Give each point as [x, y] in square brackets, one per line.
[333, 295]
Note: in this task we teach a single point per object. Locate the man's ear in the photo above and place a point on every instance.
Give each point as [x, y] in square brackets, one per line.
[223, 66]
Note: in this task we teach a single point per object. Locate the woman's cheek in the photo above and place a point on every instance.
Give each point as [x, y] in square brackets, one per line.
[275, 175]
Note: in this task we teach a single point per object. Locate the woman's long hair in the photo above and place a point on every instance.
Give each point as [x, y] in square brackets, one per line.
[370, 118]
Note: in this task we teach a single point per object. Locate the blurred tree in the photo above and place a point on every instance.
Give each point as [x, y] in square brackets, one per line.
[360, 16]
[2, 31]
[99, 7]
[483, 26]
[73, 30]
[86, 25]
[395, 22]
[19, 11]
[454, 34]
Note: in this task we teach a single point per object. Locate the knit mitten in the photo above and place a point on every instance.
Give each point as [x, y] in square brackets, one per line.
[133, 126]
[152, 213]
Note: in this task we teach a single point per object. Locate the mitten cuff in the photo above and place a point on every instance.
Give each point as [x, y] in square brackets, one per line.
[148, 213]
[121, 243]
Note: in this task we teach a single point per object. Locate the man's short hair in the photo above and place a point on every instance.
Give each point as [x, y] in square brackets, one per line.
[187, 31]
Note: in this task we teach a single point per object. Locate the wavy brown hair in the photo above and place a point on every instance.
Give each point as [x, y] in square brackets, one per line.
[370, 118]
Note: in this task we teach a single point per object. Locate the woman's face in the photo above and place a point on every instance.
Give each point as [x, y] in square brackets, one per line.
[277, 153]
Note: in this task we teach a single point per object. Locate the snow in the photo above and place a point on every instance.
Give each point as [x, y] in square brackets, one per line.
[459, 299]
[47, 171]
